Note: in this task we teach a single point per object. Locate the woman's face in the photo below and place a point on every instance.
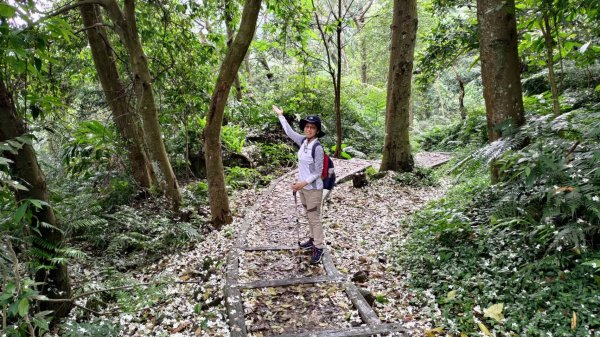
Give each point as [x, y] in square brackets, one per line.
[310, 130]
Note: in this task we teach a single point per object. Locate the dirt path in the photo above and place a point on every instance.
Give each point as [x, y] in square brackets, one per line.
[271, 289]
[276, 292]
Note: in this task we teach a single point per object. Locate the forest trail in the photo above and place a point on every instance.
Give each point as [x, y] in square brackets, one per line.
[272, 290]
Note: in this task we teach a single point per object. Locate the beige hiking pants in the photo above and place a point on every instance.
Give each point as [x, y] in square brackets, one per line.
[311, 200]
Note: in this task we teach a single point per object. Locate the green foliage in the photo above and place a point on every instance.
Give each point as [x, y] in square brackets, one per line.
[200, 189]
[418, 177]
[553, 182]
[343, 154]
[363, 109]
[241, 177]
[529, 242]
[90, 147]
[96, 327]
[471, 131]
[120, 191]
[18, 292]
[140, 233]
[276, 155]
[18, 296]
[233, 137]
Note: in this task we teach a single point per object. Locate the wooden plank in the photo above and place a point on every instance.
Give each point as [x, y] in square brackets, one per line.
[235, 311]
[364, 309]
[233, 262]
[288, 282]
[264, 248]
[362, 331]
[329, 267]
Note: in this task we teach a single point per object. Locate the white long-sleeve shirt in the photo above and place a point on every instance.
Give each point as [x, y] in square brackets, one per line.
[309, 169]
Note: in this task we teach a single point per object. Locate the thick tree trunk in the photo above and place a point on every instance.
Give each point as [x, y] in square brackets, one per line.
[217, 193]
[142, 83]
[499, 65]
[547, 31]
[56, 282]
[396, 151]
[115, 92]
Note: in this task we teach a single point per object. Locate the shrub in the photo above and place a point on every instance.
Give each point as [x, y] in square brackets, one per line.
[529, 242]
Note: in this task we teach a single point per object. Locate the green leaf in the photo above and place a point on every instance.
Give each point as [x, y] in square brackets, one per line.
[20, 213]
[5, 161]
[38, 203]
[17, 186]
[23, 307]
[25, 139]
[7, 11]
[4, 297]
[592, 263]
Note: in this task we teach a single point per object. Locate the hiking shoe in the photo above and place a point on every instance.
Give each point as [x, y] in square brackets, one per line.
[308, 244]
[317, 255]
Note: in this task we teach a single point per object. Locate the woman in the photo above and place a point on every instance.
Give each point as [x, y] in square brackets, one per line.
[309, 183]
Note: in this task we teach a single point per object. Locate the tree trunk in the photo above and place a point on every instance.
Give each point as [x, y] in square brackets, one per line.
[461, 98]
[219, 203]
[115, 92]
[338, 85]
[56, 282]
[142, 83]
[230, 35]
[499, 65]
[359, 20]
[547, 31]
[363, 60]
[396, 151]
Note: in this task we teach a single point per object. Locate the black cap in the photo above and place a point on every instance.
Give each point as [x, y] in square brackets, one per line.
[313, 120]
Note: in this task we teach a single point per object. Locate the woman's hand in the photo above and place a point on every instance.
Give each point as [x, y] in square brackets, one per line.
[297, 186]
[277, 110]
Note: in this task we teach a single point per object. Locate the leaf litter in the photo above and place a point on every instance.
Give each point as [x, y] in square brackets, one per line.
[361, 225]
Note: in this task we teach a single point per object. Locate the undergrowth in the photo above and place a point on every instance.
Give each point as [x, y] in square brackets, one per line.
[520, 257]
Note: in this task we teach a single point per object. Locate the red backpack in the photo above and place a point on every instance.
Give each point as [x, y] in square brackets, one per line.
[328, 173]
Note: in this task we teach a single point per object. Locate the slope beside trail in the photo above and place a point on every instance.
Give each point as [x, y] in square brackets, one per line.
[248, 279]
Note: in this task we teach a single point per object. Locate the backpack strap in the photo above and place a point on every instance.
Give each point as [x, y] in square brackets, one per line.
[314, 148]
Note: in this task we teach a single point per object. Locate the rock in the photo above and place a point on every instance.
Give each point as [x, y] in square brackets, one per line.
[360, 276]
